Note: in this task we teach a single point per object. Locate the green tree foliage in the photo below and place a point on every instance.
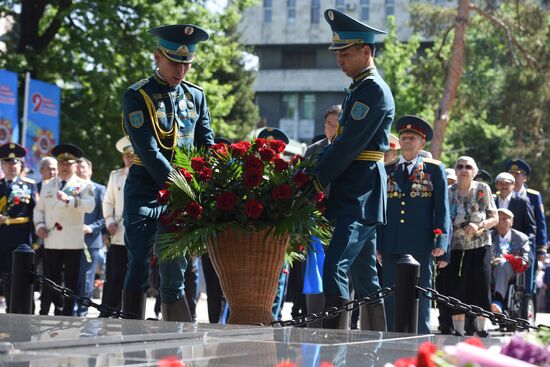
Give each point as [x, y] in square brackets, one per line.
[503, 104]
[96, 49]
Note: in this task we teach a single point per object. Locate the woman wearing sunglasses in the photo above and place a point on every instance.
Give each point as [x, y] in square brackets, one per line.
[473, 213]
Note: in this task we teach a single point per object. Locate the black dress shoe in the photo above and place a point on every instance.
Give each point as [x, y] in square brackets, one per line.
[458, 334]
[483, 334]
[446, 331]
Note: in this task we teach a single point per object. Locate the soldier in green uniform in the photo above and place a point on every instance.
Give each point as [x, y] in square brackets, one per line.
[353, 165]
[160, 113]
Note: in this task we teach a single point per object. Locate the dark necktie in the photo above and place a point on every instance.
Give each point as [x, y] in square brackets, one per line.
[406, 170]
[62, 184]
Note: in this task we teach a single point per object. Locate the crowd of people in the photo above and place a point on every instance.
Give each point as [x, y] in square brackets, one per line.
[386, 198]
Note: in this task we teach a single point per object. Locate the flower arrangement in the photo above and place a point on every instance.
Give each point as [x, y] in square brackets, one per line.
[521, 350]
[517, 263]
[246, 185]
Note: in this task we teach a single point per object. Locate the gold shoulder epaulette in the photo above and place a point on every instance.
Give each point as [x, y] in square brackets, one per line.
[431, 160]
[28, 180]
[533, 191]
[192, 85]
[139, 84]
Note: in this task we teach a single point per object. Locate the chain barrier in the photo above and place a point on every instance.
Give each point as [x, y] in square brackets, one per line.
[476, 311]
[334, 311]
[5, 278]
[84, 301]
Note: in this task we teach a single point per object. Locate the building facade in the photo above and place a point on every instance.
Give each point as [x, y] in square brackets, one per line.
[298, 78]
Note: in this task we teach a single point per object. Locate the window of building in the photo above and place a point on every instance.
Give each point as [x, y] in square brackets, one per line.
[290, 106]
[308, 107]
[315, 11]
[341, 5]
[365, 9]
[291, 11]
[298, 58]
[267, 11]
[390, 7]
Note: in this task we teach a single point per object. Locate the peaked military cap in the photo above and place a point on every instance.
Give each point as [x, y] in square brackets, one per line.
[67, 153]
[517, 166]
[415, 124]
[484, 176]
[12, 151]
[124, 145]
[347, 31]
[178, 42]
[273, 133]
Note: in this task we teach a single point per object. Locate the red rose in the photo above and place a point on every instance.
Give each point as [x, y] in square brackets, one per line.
[277, 145]
[226, 200]
[280, 165]
[186, 174]
[300, 179]
[205, 174]
[240, 148]
[252, 179]
[254, 208]
[16, 200]
[296, 159]
[266, 154]
[58, 226]
[198, 163]
[260, 143]
[283, 192]
[424, 355]
[438, 232]
[253, 162]
[194, 209]
[163, 196]
[219, 149]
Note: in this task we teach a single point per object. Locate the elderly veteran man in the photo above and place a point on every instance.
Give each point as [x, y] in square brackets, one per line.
[524, 219]
[506, 240]
[59, 220]
[17, 200]
[418, 212]
[161, 113]
[353, 165]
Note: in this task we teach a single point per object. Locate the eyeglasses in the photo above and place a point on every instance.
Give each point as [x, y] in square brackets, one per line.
[464, 166]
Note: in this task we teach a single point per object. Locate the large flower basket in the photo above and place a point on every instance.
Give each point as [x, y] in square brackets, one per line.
[248, 265]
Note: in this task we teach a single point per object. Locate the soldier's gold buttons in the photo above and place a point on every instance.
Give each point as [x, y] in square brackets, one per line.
[402, 220]
[402, 203]
[402, 212]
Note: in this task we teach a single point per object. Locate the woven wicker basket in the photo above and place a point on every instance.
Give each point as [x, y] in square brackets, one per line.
[249, 267]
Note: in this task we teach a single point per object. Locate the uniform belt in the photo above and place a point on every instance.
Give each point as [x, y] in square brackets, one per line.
[19, 220]
[370, 155]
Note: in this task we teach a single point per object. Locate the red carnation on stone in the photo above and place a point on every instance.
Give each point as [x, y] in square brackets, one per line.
[424, 355]
[58, 226]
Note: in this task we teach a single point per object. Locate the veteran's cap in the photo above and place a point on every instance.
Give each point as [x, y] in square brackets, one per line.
[517, 166]
[394, 142]
[347, 31]
[414, 124]
[67, 153]
[506, 177]
[178, 42]
[12, 152]
[124, 145]
[274, 134]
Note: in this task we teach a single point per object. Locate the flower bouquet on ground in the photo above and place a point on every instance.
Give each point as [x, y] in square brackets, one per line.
[521, 350]
[246, 200]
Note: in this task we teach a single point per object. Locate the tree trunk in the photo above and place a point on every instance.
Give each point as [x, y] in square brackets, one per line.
[452, 82]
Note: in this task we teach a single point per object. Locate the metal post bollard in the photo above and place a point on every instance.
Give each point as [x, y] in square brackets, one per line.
[407, 271]
[21, 280]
